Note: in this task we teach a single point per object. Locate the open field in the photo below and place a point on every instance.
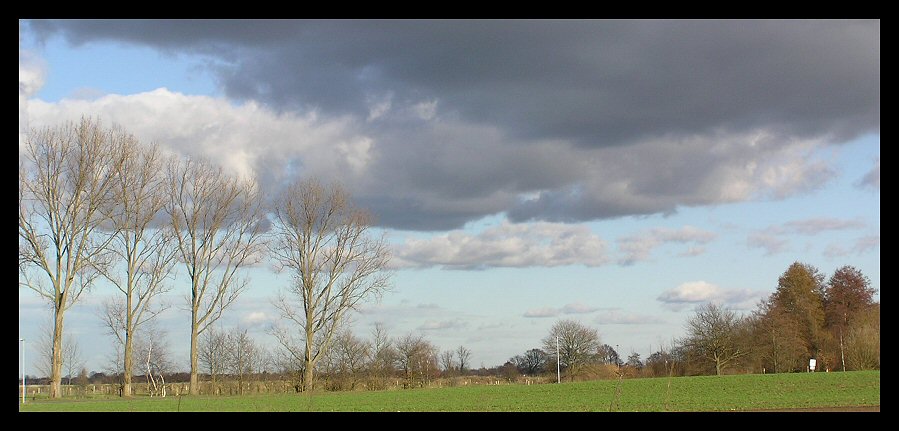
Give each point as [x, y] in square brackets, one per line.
[850, 391]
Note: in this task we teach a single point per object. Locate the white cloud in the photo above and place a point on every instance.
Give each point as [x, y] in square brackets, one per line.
[542, 312]
[768, 241]
[639, 247]
[700, 292]
[614, 317]
[773, 238]
[425, 110]
[433, 325]
[246, 139]
[255, 318]
[578, 308]
[32, 71]
[506, 245]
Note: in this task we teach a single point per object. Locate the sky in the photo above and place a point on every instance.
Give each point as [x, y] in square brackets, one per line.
[618, 173]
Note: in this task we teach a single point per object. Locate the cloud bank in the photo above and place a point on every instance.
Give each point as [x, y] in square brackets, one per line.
[432, 123]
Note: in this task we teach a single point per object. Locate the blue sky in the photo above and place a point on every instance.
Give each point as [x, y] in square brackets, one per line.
[616, 173]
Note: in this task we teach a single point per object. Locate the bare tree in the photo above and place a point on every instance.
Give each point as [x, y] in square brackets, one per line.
[72, 360]
[382, 355]
[346, 359]
[217, 220]
[146, 251]
[323, 240]
[576, 345]
[464, 355]
[64, 187]
[533, 362]
[241, 355]
[714, 332]
[151, 350]
[448, 362]
[863, 340]
[212, 351]
[415, 357]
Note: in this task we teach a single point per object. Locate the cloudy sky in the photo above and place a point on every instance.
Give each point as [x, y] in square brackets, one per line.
[614, 172]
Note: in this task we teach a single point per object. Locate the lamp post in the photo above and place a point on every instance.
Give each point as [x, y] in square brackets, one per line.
[22, 340]
[558, 362]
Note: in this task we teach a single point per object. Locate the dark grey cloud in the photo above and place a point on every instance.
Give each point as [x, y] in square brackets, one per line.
[542, 119]
[598, 83]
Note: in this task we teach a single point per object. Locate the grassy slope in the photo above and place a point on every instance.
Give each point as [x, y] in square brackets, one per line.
[705, 393]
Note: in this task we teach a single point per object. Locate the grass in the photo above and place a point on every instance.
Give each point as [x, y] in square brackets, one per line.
[701, 393]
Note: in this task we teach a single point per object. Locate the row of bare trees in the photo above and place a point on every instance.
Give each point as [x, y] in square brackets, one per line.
[379, 361]
[96, 203]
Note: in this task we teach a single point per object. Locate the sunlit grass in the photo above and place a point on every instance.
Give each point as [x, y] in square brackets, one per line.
[703, 393]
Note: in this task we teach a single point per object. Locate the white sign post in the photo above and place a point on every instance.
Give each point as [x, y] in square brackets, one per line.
[811, 365]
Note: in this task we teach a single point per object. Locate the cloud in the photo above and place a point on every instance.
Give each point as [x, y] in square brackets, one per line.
[598, 80]
[700, 292]
[245, 139]
[866, 244]
[615, 317]
[639, 247]
[578, 308]
[432, 124]
[768, 241]
[817, 225]
[773, 240]
[861, 246]
[542, 312]
[573, 308]
[255, 318]
[32, 73]
[506, 245]
[433, 325]
[872, 178]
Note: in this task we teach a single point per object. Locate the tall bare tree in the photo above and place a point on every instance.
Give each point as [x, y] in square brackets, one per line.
[217, 221]
[714, 333]
[323, 240]
[65, 187]
[145, 250]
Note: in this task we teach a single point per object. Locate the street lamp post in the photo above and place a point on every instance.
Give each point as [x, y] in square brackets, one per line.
[558, 362]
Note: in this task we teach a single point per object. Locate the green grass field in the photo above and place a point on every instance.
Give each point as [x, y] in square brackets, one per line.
[704, 393]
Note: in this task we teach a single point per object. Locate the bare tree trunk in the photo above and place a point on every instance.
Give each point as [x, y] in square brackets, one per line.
[194, 374]
[308, 365]
[56, 367]
[128, 365]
